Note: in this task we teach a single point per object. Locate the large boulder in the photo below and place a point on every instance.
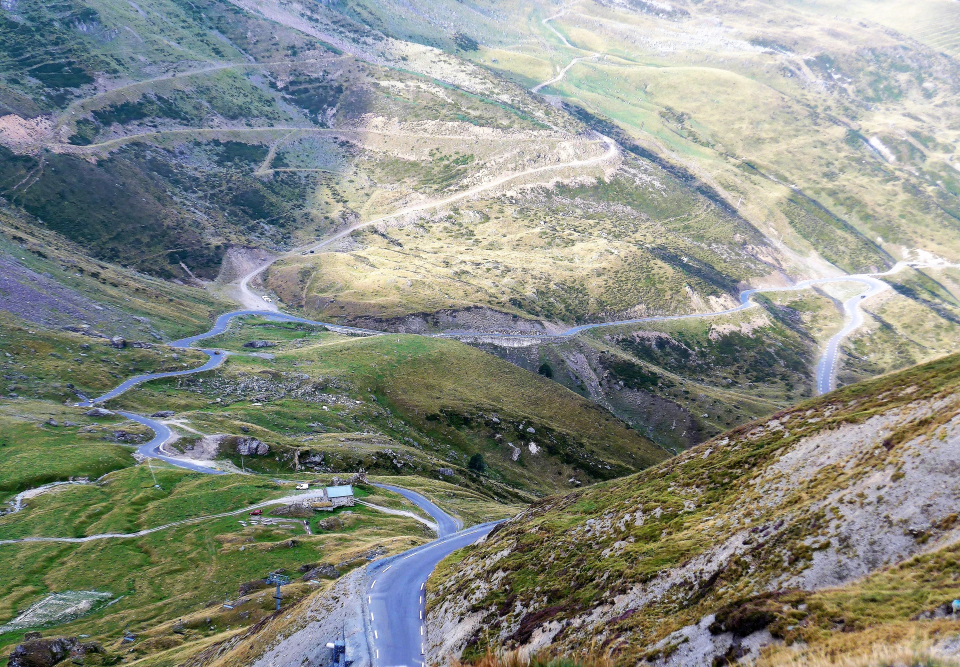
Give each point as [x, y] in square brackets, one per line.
[163, 413]
[252, 447]
[257, 344]
[333, 523]
[44, 652]
[118, 342]
[98, 412]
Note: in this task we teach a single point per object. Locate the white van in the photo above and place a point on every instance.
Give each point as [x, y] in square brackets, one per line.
[303, 487]
[267, 299]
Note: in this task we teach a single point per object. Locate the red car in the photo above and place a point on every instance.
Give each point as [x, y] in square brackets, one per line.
[256, 512]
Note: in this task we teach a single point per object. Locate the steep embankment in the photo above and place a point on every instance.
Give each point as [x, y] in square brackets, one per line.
[782, 529]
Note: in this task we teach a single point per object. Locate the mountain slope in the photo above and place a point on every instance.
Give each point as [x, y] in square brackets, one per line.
[410, 404]
[751, 538]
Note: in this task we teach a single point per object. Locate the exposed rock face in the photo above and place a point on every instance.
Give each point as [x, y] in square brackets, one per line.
[207, 448]
[339, 610]
[252, 447]
[163, 413]
[118, 342]
[258, 344]
[98, 412]
[812, 499]
[210, 447]
[42, 652]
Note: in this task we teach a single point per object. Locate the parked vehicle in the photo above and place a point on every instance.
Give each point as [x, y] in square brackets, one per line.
[256, 513]
[303, 487]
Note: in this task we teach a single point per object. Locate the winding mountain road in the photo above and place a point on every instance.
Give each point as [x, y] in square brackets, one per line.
[251, 300]
[825, 377]
[446, 524]
[395, 597]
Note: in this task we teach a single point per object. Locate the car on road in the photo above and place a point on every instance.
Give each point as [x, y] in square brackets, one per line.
[267, 299]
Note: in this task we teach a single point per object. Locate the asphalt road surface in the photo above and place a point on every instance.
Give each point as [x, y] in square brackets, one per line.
[447, 525]
[827, 368]
[216, 358]
[162, 433]
[396, 597]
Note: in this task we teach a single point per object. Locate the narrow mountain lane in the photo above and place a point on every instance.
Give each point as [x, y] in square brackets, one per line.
[446, 524]
[396, 597]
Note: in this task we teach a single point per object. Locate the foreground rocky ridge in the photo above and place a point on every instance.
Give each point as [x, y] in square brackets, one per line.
[743, 542]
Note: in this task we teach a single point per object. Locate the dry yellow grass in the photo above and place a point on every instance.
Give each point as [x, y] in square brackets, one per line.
[905, 645]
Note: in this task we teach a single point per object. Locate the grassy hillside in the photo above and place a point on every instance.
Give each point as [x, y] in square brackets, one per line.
[783, 529]
[399, 404]
[632, 243]
[167, 587]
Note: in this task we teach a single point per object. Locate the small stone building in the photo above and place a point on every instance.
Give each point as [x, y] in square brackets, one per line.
[340, 496]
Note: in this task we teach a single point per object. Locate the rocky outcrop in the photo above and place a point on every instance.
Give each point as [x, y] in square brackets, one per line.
[258, 344]
[210, 447]
[46, 652]
[333, 523]
[252, 447]
[98, 412]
